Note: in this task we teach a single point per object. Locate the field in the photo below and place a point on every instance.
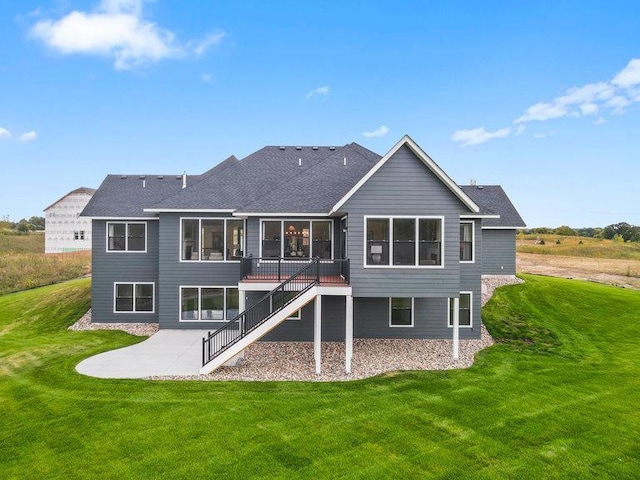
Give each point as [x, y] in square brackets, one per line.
[598, 260]
[557, 397]
[24, 265]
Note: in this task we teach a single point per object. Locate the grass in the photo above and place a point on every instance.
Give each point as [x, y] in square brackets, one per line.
[24, 265]
[557, 397]
[572, 247]
[11, 242]
[22, 271]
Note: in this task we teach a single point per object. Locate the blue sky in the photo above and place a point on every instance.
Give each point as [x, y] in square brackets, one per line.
[540, 97]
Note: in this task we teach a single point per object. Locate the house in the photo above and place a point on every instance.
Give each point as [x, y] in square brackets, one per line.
[65, 230]
[301, 243]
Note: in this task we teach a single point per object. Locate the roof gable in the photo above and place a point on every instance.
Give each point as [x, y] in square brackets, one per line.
[81, 190]
[494, 202]
[428, 162]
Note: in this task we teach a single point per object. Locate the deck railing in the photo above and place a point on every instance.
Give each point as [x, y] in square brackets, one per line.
[280, 269]
[236, 329]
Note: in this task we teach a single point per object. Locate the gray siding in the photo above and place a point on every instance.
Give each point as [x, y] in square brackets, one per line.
[404, 186]
[174, 273]
[471, 276]
[498, 252]
[111, 267]
[371, 320]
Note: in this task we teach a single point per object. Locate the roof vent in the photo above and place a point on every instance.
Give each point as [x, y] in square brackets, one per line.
[480, 187]
[142, 177]
[298, 148]
[178, 177]
[160, 177]
[123, 177]
[472, 182]
[332, 148]
[184, 180]
[282, 148]
[344, 161]
[299, 162]
[315, 148]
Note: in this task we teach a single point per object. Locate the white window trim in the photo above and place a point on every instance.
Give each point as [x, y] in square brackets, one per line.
[415, 217]
[450, 320]
[311, 222]
[412, 314]
[224, 254]
[200, 287]
[473, 242]
[126, 237]
[153, 297]
[296, 316]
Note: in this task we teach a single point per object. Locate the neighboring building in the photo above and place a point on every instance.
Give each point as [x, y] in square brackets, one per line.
[65, 230]
[392, 247]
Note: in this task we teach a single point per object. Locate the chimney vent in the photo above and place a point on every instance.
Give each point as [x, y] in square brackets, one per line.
[184, 179]
[299, 162]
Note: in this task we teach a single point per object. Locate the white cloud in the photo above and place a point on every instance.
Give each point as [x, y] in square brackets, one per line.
[519, 130]
[379, 132]
[629, 76]
[545, 135]
[323, 90]
[211, 40]
[28, 136]
[589, 109]
[4, 133]
[477, 136]
[117, 30]
[612, 96]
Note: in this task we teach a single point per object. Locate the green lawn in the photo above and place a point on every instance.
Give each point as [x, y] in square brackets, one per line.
[559, 397]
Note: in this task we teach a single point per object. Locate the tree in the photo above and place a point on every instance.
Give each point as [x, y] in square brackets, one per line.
[37, 222]
[565, 230]
[628, 233]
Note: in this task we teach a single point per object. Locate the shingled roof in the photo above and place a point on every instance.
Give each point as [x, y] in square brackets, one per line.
[277, 179]
[493, 201]
[126, 196]
[273, 180]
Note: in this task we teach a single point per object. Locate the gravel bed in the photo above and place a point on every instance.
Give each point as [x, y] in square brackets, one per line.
[138, 329]
[491, 282]
[294, 361]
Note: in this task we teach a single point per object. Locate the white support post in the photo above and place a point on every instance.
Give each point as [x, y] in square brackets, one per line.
[348, 336]
[317, 333]
[456, 327]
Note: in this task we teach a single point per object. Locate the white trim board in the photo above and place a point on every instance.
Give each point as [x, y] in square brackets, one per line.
[428, 161]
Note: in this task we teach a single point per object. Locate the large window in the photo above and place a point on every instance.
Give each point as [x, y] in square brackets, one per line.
[209, 304]
[210, 239]
[401, 312]
[466, 242]
[465, 319]
[126, 237]
[282, 298]
[296, 238]
[416, 241]
[133, 297]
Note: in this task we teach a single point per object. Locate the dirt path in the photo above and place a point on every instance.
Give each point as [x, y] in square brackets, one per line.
[622, 273]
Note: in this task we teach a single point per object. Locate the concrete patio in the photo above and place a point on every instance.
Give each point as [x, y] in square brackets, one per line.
[165, 353]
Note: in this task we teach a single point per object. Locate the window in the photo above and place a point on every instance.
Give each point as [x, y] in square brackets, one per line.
[78, 235]
[126, 237]
[209, 304]
[466, 242]
[296, 239]
[210, 239]
[464, 310]
[401, 312]
[134, 297]
[416, 241]
[282, 298]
